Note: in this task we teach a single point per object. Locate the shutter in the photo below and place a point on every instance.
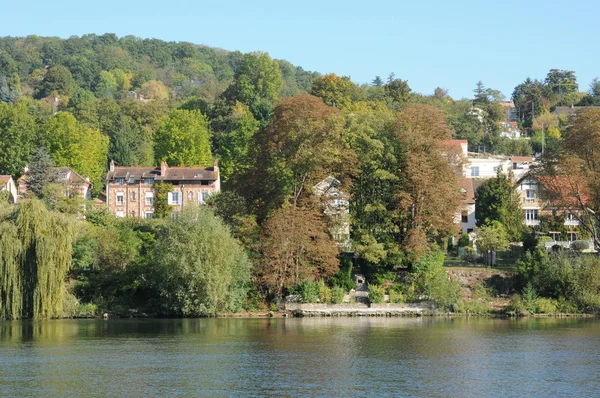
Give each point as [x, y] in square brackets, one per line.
[170, 198]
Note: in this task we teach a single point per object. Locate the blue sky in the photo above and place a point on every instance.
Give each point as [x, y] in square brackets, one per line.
[447, 43]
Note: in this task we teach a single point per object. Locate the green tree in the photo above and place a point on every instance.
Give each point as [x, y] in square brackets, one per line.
[201, 269]
[398, 91]
[491, 238]
[35, 256]
[7, 94]
[17, 137]
[183, 139]
[561, 82]
[235, 142]
[78, 146]
[57, 81]
[333, 90]
[106, 86]
[377, 82]
[498, 201]
[40, 171]
[161, 199]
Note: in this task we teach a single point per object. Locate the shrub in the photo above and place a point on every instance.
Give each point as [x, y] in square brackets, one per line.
[396, 296]
[324, 293]
[516, 306]
[343, 278]
[376, 294]
[580, 245]
[545, 306]
[337, 295]
[472, 307]
[308, 290]
[464, 240]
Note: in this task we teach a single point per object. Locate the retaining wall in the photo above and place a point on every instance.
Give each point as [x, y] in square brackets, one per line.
[406, 309]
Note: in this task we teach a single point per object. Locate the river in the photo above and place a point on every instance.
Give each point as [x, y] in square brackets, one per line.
[425, 357]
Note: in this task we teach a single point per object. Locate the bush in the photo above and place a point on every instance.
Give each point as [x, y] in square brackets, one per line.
[343, 278]
[580, 245]
[376, 294]
[545, 306]
[397, 297]
[516, 306]
[308, 290]
[464, 240]
[337, 295]
[324, 293]
[472, 307]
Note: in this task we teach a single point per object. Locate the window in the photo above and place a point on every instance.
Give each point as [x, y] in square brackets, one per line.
[571, 236]
[149, 181]
[530, 195]
[464, 216]
[475, 171]
[133, 196]
[120, 214]
[132, 213]
[148, 214]
[495, 168]
[531, 214]
[173, 198]
[570, 217]
[120, 198]
[202, 196]
[190, 196]
[132, 179]
[149, 198]
[515, 165]
[120, 181]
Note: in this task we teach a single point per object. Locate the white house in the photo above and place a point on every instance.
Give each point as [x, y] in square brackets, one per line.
[466, 217]
[8, 184]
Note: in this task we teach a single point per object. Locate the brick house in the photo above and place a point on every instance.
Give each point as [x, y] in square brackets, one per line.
[74, 183]
[130, 190]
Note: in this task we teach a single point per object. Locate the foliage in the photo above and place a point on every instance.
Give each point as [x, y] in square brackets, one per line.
[17, 137]
[376, 294]
[294, 247]
[161, 199]
[333, 90]
[580, 245]
[337, 295]
[492, 237]
[40, 172]
[35, 257]
[464, 240]
[183, 139]
[201, 269]
[498, 200]
[308, 290]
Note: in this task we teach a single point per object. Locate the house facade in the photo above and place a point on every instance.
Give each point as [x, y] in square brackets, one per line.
[74, 183]
[466, 217]
[535, 197]
[7, 184]
[130, 190]
[336, 205]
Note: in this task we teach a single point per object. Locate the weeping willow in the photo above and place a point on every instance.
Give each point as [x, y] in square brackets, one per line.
[35, 257]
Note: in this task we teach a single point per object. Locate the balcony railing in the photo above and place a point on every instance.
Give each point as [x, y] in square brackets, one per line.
[532, 223]
[572, 223]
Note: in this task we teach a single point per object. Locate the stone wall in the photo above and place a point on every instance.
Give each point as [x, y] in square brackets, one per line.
[406, 309]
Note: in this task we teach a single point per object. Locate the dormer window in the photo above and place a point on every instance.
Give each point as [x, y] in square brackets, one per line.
[132, 179]
[120, 180]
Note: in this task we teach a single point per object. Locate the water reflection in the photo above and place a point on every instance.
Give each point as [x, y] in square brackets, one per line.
[292, 357]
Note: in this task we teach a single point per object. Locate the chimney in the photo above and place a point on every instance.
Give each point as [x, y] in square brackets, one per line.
[163, 169]
[112, 165]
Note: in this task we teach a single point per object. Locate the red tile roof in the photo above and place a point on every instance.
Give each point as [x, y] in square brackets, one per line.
[522, 158]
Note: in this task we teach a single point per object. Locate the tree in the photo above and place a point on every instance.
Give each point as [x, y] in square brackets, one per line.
[235, 142]
[498, 201]
[491, 238]
[377, 82]
[17, 137]
[40, 171]
[257, 81]
[154, 89]
[333, 90]
[529, 100]
[294, 247]
[201, 269]
[7, 94]
[161, 199]
[398, 91]
[35, 256]
[106, 86]
[183, 139]
[75, 145]
[561, 82]
[429, 195]
[57, 81]
[300, 147]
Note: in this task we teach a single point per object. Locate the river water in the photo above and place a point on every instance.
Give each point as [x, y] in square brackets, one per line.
[426, 357]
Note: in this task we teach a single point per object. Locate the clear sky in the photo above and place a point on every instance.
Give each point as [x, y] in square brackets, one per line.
[446, 43]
